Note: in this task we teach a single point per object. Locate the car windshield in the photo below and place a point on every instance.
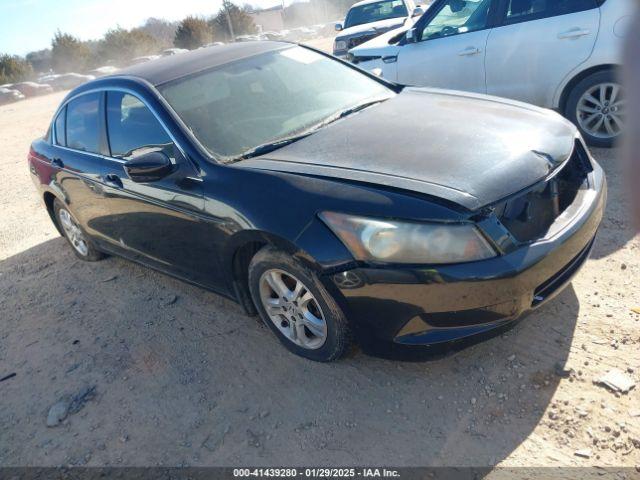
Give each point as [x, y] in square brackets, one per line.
[268, 98]
[374, 12]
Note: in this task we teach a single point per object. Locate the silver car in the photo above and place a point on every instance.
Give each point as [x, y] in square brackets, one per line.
[8, 95]
[559, 54]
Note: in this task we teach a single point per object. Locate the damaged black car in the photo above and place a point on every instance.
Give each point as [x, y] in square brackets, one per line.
[339, 207]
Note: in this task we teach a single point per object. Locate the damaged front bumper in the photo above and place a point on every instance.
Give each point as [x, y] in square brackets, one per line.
[445, 303]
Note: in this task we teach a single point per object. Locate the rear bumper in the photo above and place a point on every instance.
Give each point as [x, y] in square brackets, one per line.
[445, 303]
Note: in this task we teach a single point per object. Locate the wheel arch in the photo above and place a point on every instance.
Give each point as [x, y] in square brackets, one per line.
[571, 84]
[49, 198]
[240, 251]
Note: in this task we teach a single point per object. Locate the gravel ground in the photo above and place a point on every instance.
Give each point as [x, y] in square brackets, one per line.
[141, 369]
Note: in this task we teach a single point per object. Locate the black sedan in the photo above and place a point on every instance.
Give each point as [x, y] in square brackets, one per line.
[336, 205]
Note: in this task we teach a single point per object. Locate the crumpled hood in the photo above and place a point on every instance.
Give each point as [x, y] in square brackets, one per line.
[370, 28]
[466, 148]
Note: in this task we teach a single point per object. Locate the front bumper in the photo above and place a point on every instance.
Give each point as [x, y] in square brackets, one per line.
[445, 303]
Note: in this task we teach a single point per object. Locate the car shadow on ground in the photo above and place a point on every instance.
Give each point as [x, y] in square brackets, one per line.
[183, 376]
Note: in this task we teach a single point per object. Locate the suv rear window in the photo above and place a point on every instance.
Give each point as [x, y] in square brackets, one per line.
[375, 12]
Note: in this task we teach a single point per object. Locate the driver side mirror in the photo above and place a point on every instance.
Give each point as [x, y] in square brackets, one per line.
[417, 12]
[338, 27]
[411, 35]
[149, 167]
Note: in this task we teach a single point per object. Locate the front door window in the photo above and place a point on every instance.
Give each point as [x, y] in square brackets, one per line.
[456, 17]
[133, 128]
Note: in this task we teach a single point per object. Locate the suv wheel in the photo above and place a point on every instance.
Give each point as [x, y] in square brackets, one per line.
[298, 309]
[596, 105]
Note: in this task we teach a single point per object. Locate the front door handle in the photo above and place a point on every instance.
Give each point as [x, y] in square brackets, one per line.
[113, 181]
[574, 33]
[56, 162]
[469, 51]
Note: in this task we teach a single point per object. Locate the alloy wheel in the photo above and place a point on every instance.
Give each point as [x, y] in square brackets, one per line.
[600, 111]
[293, 309]
[73, 232]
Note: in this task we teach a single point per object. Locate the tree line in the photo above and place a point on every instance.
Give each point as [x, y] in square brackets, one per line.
[119, 45]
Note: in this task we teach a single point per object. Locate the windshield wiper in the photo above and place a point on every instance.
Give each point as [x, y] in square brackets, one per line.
[349, 111]
[271, 146]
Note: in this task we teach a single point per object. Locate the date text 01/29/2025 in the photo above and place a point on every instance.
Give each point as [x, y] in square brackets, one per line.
[316, 472]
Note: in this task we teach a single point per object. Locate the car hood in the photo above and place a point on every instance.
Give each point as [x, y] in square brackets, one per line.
[379, 46]
[373, 27]
[465, 148]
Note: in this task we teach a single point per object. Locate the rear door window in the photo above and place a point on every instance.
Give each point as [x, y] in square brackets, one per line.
[133, 129]
[82, 123]
[526, 10]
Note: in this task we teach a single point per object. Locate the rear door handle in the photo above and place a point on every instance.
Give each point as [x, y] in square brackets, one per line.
[574, 33]
[56, 162]
[113, 180]
[469, 51]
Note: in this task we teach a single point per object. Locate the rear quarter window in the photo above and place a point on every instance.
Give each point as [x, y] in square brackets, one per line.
[61, 127]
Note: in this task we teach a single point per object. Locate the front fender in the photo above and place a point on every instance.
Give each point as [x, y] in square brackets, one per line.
[316, 247]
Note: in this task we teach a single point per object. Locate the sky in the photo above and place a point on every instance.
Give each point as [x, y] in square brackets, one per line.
[28, 25]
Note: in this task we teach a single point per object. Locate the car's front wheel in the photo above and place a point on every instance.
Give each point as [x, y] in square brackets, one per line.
[80, 243]
[296, 306]
[596, 105]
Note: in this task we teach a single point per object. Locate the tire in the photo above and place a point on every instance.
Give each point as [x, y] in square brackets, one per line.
[290, 321]
[575, 102]
[82, 246]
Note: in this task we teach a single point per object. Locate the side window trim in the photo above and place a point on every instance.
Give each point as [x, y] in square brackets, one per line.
[103, 143]
[56, 135]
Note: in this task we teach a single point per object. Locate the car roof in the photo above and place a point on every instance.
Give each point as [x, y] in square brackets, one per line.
[363, 2]
[167, 69]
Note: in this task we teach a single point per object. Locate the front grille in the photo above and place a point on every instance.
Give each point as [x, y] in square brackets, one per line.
[529, 216]
[354, 42]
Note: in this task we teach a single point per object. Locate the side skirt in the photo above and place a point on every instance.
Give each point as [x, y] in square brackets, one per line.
[169, 273]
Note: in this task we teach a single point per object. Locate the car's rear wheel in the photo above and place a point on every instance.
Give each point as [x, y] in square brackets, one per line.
[79, 241]
[596, 105]
[295, 305]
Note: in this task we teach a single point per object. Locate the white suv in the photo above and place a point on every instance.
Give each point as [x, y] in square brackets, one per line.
[369, 18]
[560, 54]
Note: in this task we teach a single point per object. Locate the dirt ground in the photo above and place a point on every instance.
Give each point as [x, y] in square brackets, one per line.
[157, 372]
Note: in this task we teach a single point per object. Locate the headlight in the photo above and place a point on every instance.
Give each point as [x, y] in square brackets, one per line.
[340, 45]
[392, 241]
